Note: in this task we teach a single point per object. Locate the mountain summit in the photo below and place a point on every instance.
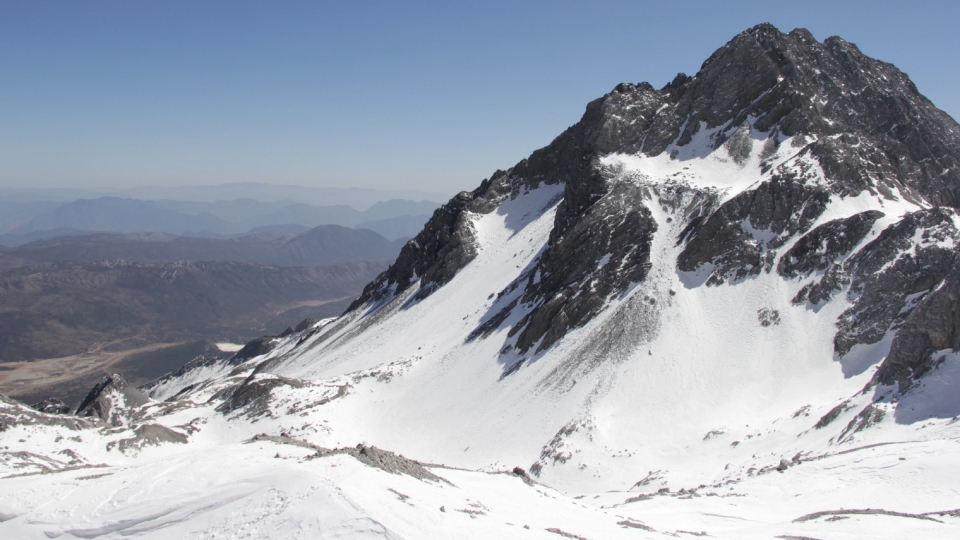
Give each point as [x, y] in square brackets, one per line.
[856, 129]
[727, 307]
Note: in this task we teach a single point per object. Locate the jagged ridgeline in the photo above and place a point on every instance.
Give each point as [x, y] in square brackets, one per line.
[822, 122]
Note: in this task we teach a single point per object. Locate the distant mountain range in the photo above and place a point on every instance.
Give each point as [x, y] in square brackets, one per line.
[359, 198]
[210, 219]
[14, 213]
[247, 214]
[112, 214]
[396, 228]
[322, 245]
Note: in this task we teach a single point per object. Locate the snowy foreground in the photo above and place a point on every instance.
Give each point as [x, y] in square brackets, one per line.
[265, 489]
[722, 411]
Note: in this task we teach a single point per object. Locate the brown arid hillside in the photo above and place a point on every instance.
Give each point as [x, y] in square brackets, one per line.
[62, 325]
[322, 245]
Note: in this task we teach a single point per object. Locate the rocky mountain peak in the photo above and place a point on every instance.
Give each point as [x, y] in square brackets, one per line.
[820, 120]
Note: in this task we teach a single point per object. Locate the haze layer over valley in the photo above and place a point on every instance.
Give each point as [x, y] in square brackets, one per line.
[93, 286]
[725, 308]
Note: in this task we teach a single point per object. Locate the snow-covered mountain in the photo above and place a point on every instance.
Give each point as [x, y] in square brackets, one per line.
[728, 307]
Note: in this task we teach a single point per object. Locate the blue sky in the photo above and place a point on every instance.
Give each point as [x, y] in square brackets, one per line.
[421, 95]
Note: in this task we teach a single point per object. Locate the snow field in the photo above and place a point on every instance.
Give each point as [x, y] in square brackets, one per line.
[263, 489]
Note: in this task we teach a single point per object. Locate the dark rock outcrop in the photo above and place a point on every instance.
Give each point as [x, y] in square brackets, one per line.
[150, 435]
[933, 325]
[869, 416]
[442, 248]
[305, 324]
[874, 130]
[369, 455]
[597, 257]
[832, 415]
[783, 206]
[890, 274]
[257, 347]
[390, 462]
[52, 406]
[822, 246]
[254, 393]
[109, 398]
[15, 413]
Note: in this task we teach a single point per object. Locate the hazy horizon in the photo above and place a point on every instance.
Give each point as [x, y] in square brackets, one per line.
[423, 97]
[215, 192]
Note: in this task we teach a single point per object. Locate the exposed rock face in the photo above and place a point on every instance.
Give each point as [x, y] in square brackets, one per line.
[12, 413]
[934, 325]
[150, 435]
[875, 130]
[783, 206]
[833, 125]
[822, 246]
[305, 324]
[594, 259]
[445, 245]
[255, 393]
[257, 347]
[869, 416]
[109, 398]
[52, 406]
[892, 273]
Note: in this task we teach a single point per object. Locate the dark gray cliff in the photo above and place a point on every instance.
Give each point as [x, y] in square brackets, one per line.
[868, 129]
[875, 131]
[890, 274]
[594, 259]
[933, 326]
[821, 247]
